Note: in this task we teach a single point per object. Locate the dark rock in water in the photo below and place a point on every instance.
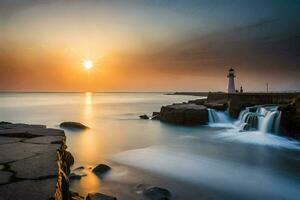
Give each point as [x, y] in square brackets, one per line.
[99, 196]
[73, 125]
[144, 117]
[184, 114]
[290, 118]
[157, 193]
[101, 169]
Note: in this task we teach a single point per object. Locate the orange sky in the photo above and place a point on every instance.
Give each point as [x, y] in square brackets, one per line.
[143, 46]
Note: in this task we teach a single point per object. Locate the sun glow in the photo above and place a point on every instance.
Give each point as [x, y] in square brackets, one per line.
[88, 64]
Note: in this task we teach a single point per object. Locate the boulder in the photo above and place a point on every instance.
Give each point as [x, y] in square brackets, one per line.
[99, 196]
[101, 169]
[144, 117]
[157, 193]
[184, 114]
[73, 125]
[290, 118]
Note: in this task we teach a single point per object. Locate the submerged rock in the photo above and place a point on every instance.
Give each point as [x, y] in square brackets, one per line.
[184, 114]
[73, 125]
[99, 196]
[101, 169]
[157, 193]
[144, 117]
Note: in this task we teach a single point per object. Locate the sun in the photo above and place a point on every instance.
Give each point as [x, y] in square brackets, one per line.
[88, 64]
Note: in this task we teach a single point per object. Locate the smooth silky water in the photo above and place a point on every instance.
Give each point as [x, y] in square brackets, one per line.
[217, 161]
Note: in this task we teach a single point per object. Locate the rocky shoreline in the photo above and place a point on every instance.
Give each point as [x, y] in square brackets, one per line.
[34, 162]
[195, 112]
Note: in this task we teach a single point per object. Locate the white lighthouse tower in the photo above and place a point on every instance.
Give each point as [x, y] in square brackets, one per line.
[231, 76]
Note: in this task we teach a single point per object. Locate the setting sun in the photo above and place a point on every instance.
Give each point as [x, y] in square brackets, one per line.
[88, 64]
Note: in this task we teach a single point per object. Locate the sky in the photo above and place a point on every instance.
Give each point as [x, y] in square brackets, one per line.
[149, 45]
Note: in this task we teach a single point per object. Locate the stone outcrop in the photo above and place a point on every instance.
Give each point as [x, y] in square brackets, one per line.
[184, 114]
[73, 125]
[290, 118]
[35, 163]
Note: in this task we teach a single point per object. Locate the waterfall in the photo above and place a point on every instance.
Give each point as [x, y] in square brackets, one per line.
[217, 116]
[266, 119]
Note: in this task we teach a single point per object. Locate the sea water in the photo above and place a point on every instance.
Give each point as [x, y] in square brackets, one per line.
[217, 161]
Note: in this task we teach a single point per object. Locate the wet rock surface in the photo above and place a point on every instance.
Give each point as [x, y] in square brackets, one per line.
[34, 162]
[184, 114]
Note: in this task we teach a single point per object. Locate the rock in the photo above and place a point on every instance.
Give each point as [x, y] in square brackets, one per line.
[46, 140]
[184, 114]
[99, 196]
[144, 117]
[155, 116]
[73, 126]
[29, 190]
[36, 167]
[290, 118]
[157, 193]
[101, 169]
[5, 177]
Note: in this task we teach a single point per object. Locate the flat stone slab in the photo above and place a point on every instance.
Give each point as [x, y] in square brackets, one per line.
[27, 130]
[45, 140]
[7, 140]
[28, 161]
[19, 150]
[5, 177]
[43, 165]
[29, 190]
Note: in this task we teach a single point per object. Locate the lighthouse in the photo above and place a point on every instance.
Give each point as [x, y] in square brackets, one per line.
[231, 76]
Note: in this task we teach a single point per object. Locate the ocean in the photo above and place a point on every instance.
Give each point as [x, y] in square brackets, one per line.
[215, 161]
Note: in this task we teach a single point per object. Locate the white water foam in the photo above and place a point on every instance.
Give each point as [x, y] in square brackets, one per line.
[255, 183]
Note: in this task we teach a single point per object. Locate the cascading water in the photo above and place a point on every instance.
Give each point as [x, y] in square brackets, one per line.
[218, 117]
[265, 119]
